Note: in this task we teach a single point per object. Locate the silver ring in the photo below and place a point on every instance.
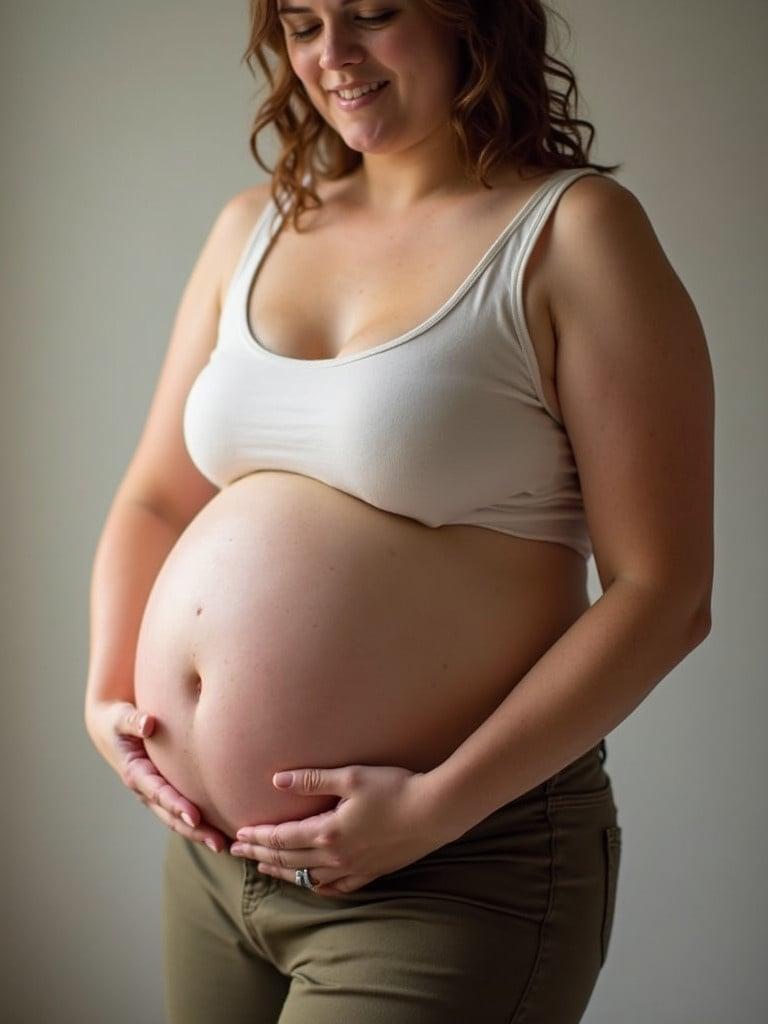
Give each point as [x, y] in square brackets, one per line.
[304, 879]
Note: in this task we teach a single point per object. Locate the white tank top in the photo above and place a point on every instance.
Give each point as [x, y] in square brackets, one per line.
[445, 424]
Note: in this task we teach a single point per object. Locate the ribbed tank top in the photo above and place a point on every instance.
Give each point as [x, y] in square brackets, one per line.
[445, 424]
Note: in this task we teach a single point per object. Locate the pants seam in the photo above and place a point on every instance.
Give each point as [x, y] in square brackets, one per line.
[248, 905]
[518, 1014]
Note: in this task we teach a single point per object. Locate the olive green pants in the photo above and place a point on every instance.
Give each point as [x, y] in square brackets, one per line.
[508, 924]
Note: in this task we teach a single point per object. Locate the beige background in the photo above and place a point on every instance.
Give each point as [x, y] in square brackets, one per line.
[124, 129]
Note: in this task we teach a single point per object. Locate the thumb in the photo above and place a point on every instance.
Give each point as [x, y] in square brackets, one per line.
[136, 723]
[320, 781]
[146, 723]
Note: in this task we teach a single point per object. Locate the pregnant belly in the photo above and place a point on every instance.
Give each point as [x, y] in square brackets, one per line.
[294, 626]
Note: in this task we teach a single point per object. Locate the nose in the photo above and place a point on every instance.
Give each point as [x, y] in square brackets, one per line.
[339, 48]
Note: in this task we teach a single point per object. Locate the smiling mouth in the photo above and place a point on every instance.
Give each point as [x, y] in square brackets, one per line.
[363, 100]
[367, 86]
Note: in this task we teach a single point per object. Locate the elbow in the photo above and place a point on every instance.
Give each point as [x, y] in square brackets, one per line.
[684, 609]
[701, 625]
[701, 620]
[695, 607]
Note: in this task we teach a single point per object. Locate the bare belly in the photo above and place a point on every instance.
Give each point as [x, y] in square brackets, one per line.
[293, 625]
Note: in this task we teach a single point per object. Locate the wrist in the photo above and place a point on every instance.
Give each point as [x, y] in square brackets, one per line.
[447, 820]
[105, 688]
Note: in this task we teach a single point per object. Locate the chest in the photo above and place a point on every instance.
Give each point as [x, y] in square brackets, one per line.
[342, 287]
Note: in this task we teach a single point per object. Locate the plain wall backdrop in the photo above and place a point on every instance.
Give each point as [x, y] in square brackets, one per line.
[124, 130]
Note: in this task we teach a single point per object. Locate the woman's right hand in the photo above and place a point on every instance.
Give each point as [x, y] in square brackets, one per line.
[117, 730]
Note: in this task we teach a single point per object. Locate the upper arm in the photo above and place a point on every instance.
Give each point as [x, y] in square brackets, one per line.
[635, 386]
[161, 473]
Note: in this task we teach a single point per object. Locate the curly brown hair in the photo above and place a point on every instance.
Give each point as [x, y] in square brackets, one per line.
[504, 108]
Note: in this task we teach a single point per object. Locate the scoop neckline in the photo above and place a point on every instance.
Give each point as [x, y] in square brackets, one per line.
[254, 344]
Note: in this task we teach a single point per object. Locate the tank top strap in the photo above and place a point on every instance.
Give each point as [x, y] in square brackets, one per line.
[517, 258]
[237, 291]
[255, 243]
[520, 235]
[548, 197]
[258, 240]
[541, 206]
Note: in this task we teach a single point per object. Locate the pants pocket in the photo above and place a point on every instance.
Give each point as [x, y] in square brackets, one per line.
[612, 849]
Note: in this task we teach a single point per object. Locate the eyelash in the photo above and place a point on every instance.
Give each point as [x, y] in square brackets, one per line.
[303, 33]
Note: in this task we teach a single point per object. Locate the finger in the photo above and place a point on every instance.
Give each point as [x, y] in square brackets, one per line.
[291, 835]
[321, 781]
[322, 877]
[288, 860]
[208, 836]
[141, 775]
[133, 722]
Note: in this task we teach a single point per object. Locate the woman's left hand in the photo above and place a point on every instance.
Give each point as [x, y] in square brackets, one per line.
[384, 820]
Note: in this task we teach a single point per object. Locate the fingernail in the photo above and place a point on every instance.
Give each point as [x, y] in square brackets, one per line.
[211, 845]
[143, 722]
[185, 817]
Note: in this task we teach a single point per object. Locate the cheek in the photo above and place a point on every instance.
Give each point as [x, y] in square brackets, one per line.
[399, 52]
[302, 67]
[304, 64]
[409, 55]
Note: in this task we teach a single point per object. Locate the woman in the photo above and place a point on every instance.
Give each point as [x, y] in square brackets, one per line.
[352, 540]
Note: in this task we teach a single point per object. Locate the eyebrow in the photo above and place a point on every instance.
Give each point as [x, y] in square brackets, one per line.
[308, 10]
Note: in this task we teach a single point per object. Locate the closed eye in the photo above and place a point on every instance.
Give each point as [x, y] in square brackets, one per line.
[373, 19]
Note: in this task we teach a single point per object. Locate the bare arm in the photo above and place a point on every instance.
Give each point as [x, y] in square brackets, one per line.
[162, 490]
[133, 546]
[160, 494]
[635, 385]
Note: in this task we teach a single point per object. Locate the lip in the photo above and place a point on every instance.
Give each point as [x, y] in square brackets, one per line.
[361, 101]
[356, 85]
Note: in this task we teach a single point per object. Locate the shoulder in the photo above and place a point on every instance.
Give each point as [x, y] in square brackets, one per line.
[233, 226]
[595, 194]
[597, 210]
[241, 210]
[635, 386]
[601, 236]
